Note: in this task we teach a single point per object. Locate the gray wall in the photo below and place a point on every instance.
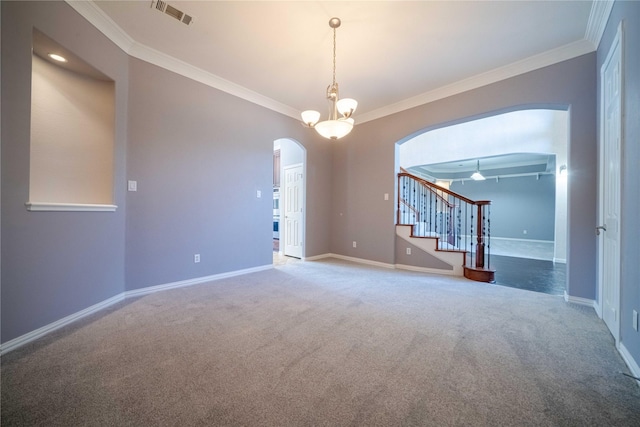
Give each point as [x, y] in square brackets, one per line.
[363, 168]
[630, 220]
[418, 257]
[199, 156]
[198, 168]
[54, 263]
[517, 204]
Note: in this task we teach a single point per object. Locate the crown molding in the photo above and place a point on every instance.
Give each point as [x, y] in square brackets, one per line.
[562, 53]
[185, 69]
[598, 17]
[597, 21]
[107, 26]
[92, 13]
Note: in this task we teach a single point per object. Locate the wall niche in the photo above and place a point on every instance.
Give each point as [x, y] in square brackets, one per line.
[72, 132]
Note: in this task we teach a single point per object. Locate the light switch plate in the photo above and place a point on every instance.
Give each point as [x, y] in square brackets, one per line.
[132, 185]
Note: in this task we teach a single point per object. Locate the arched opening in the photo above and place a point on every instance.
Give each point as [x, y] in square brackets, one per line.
[289, 199]
[522, 156]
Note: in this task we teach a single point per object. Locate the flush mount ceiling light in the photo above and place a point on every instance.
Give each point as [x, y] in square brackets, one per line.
[336, 127]
[57, 57]
[477, 176]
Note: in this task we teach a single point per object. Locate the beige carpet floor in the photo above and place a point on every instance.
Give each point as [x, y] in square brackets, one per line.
[326, 343]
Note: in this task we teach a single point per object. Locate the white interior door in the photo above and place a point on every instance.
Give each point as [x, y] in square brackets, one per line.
[293, 216]
[609, 194]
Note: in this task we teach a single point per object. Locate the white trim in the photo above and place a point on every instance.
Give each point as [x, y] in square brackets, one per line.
[554, 56]
[68, 207]
[385, 265]
[427, 270]
[596, 307]
[522, 240]
[598, 17]
[195, 281]
[354, 259]
[185, 69]
[630, 361]
[559, 260]
[111, 30]
[579, 300]
[116, 34]
[107, 26]
[40, 332]
[317, 257]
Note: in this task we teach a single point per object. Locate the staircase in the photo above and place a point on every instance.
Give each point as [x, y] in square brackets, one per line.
[445, 231]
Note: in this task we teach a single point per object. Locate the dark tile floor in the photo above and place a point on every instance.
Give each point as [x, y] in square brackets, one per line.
[530, 274]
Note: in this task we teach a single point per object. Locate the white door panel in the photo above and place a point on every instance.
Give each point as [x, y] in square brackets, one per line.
[293, 215]
[609, 192]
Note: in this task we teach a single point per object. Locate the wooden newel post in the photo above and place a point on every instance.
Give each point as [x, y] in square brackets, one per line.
[480, 243]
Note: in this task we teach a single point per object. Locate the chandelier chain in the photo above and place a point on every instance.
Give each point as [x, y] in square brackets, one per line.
[334, 57]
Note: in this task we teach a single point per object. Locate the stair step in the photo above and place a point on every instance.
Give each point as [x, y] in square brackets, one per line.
[480, 274]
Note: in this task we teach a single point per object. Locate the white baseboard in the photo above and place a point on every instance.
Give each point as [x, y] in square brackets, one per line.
[40, 332]
[427, 270]
[363, 261]
[580, 301]
[384, 265]
[597, 308]
[511, 239]
[317, 257]
[195, 281]
[630, 361]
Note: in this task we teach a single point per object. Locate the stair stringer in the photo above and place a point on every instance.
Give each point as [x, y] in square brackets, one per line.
[456, 259]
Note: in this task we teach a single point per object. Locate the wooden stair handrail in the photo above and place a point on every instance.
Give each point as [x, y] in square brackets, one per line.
[479, 272]
[432, 190]
[436, 187]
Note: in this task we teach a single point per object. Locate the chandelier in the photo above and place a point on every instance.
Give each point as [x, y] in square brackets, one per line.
[477, 176]
[336, 127]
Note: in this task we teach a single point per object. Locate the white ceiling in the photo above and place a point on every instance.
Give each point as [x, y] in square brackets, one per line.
[391, 55]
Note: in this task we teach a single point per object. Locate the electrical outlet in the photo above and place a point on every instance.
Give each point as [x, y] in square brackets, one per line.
[635, 320]
[354, 244]
[408, 251]
[524, 231]
[196, 258]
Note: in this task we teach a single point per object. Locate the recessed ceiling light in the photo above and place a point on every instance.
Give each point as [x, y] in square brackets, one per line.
[57, 57]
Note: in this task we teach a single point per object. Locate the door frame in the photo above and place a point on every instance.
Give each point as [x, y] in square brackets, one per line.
[616, 44]
[283, 202]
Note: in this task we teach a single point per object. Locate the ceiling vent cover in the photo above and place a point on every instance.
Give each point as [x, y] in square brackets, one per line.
[172, 11]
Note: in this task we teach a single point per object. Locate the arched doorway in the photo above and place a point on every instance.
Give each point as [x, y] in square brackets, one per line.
[523, 156]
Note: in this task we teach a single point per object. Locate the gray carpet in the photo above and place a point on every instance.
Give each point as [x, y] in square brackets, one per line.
[326, 343]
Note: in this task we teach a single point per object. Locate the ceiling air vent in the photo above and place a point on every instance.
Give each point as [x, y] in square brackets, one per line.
[172, 11]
